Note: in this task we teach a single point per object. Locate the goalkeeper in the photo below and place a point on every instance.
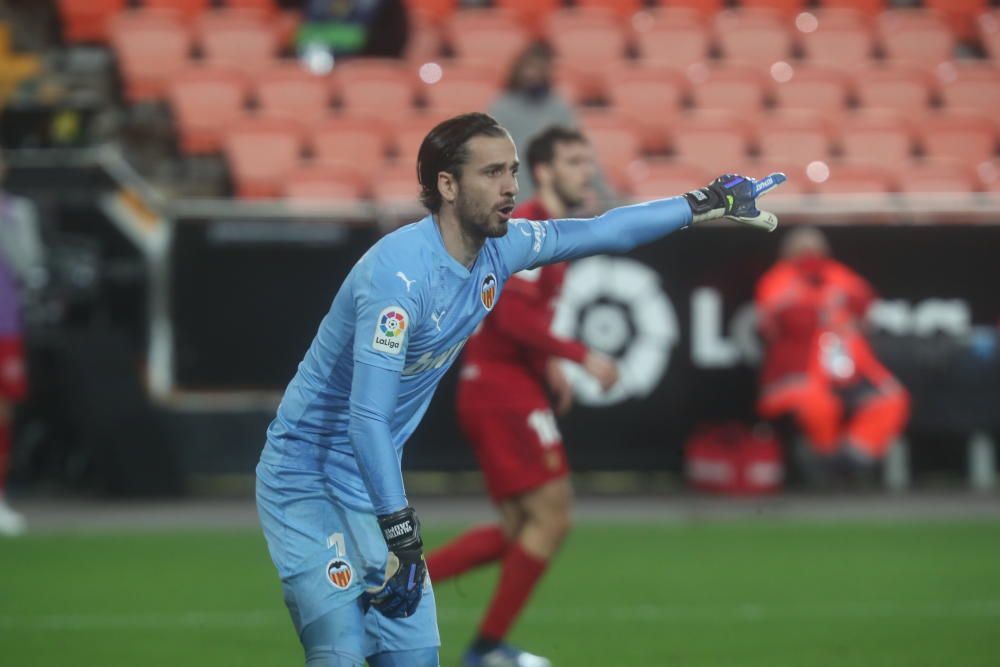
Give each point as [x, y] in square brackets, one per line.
[340, 530]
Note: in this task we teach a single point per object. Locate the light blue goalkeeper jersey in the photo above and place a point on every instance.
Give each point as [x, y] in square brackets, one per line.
[397, 324]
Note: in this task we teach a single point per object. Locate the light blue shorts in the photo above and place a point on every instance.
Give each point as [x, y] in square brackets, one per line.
[326, 555]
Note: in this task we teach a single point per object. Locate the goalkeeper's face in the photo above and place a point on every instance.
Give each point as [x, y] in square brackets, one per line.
[487, 187]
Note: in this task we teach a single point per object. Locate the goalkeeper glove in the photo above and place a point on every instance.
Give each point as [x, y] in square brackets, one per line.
[734, 197]
[399, 594]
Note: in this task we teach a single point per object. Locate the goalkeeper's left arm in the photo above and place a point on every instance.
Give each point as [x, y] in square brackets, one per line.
[730, 197]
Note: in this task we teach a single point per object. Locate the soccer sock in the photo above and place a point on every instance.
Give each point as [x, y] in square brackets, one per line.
[4, 454]
[474, 547]
[521, 571]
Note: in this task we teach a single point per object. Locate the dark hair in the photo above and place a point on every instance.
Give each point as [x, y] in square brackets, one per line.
[444, 149]
[542, 148]
[534, 51]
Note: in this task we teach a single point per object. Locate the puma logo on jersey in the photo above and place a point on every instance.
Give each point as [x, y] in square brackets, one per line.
[437, 318]
[406, 281]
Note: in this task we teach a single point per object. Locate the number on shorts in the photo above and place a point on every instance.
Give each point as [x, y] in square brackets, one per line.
[544, 424]
[336, 542]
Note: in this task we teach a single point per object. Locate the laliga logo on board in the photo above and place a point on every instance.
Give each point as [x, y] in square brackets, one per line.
[338, 572]
[390, 330]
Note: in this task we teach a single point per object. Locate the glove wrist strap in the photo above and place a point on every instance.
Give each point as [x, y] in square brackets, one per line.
[706, 204]
[401, 530]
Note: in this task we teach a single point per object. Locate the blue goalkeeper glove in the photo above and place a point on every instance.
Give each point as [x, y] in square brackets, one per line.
[399, 594]
[734, 197]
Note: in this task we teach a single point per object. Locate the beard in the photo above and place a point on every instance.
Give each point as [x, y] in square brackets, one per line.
[568, 199]
[479, 220]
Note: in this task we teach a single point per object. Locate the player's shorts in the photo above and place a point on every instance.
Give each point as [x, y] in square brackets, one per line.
[326, 555]
[13, 375]
[518, 448]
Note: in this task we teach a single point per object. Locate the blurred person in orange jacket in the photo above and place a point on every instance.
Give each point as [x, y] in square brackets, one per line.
[818, 367]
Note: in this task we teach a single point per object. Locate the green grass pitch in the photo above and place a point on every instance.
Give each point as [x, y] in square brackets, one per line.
[761, 593]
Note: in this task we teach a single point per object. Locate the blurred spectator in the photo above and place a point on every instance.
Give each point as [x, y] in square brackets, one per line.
[819, 369]
[530, 104]
[353, 28]
[21, 257]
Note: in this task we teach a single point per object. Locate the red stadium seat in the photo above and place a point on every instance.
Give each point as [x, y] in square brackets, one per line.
[968, 137]
[793, 138]
[409, 133]
[438, 10]
[989, 175]
[615, 141]
[672, 36]
[936, 177]
[843, 46]
[852, 178]
[623, 8]
[205, 102]
[707, 8]
[322, 183]
[486, 34]
[289, 91]
[266, 7]
[881, 138]
[871, 8]
[86, 20]
[960, 15]
[915, 36]
[424, 41]
[760, 40]
[586, 39]
[989, 33]
[532, 14]
[360, 141]
[820, 89]
[728, 88]
[787, 8]
[249, 47]
[650, 97]
[260, 153]
[711, 140]
[397, 185]
[382, 88]
[901, 87]
[653, 179]
[149, 52]
[969, 85]
[187, 10]
[461, 89]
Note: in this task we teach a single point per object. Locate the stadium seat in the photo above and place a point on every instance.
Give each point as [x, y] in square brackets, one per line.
[623, 8]
[425, 40]
[871, 8]
[970, 85]
[87, 20]
[960, 15]
[654, 179]
[787, 8]
[360, 141]
[382, 88]
[586, 39]
[672, 36]
[187, 10]
[728, 88]
[935, 177]
[615, 140]
[898, 86]
[989, 175]
[437, 10]
[247, 46]
[532, 14]
[321, 183]
[761, 40]
[843, 46]
[266, 7]
[854, 178]
[706, 8]
[989, 33]
[793, 137]
[205, 102]
[917, 36]
[881, 138]
[397, 185]
[290, 91]
[968, 137]
[650, 97]
[409, 133]
[711, 140]
[149, 52]
[260, 153]
[820, 89]
[486, 35]
[461, 88]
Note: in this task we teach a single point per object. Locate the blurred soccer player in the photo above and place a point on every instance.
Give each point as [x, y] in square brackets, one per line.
[509, 369]
[819, 368]
[330, 493]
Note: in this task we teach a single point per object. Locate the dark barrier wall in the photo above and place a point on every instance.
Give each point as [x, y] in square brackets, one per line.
[676, 314]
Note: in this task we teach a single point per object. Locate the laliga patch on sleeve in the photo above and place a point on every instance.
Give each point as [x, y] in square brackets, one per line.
[390, 330]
